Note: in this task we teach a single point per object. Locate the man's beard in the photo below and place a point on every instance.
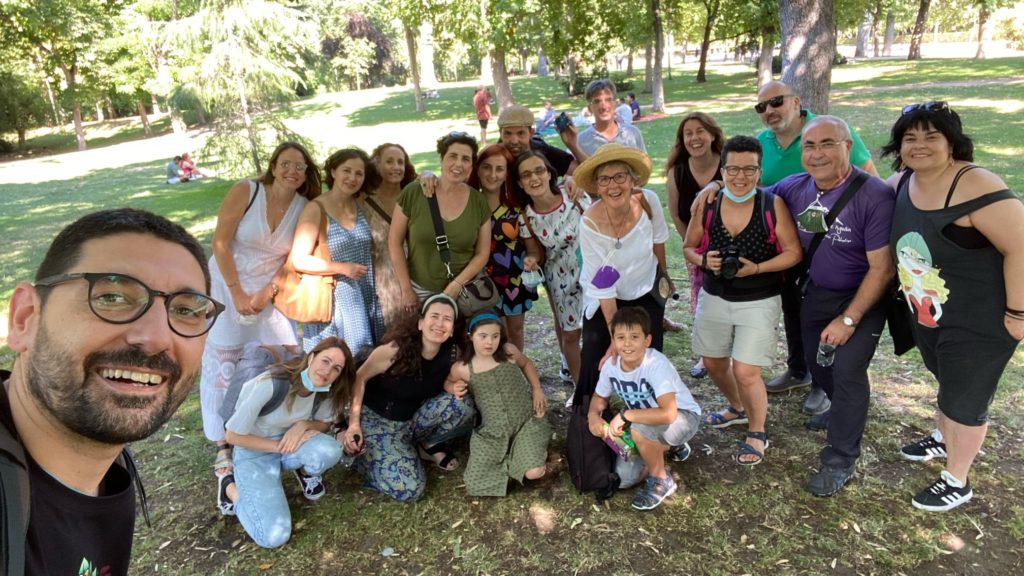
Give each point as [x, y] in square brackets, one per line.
[94, 410]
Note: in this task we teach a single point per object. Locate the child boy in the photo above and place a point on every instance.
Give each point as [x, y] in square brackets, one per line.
[660, 411]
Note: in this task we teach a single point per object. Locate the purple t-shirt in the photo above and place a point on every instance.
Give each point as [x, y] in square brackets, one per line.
[864, 225]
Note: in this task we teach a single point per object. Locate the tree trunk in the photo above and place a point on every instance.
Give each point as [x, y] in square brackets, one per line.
[686, 45]
[499, 72]
[70, 75]
[542, 63]
[890, 33]
[657, 88]
[649, 68]
[111, 112]
[670, 48]
[146, 128]
[863, 30]
[629, 63]
[99, 111]
[426, 49]
[156, 104]
[919, 28]
[58, 116]
[201, 115]
[876, 18]
[983, 17]
[21, 138]
[570, 64]
[809, 35]
[410, 45]
[250, 130]
[764, 60]
[711, 9]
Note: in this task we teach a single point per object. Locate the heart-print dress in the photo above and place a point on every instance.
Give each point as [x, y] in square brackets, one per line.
[506, 264]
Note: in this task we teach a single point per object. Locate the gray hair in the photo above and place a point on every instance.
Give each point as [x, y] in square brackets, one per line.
[596, 86]
[838, 123]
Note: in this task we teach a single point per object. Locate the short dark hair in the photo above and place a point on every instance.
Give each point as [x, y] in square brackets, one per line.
[312, 187]
[945, 120]
[410, 170]
[371, 178]
[631, 316]
[521, 196]
[177, 158]
[500, 355]
[741, 143]
[596, 86]
[66, 249]
[632, 95]
[445, 142]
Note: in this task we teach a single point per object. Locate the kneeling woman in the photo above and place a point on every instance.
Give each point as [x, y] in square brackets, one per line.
[289, 437]
[400, 406]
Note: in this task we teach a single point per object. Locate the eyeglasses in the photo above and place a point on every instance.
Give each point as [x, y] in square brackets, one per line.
[619, 178]
[529, 174]
[748, 171]
[774, 102]
[935, 106]
[288, 165]
[121, 299]
[824, 145]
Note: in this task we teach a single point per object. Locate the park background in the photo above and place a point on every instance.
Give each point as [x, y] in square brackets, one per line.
[96, 96]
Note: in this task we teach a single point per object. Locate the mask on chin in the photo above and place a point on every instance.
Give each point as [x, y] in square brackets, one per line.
[307, 382]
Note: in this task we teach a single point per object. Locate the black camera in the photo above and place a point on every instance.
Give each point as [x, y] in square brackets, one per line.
[730, 262]
[562, 122]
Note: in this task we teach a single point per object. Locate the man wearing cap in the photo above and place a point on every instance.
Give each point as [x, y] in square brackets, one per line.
[515, 127]
[600, 95]
[482, 103]
[784, 120]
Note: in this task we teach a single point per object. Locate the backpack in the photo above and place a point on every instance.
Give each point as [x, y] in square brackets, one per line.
[15, 496]
[591, 461]
[768, 220]
[255, 360]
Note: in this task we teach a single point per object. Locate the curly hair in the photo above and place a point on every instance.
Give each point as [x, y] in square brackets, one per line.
[406, 336]
[445, 142]
[506, 196]
[341, 387]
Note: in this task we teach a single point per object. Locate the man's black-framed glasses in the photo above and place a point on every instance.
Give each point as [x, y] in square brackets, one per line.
[934, 106]
[774, 102]
[121, 299]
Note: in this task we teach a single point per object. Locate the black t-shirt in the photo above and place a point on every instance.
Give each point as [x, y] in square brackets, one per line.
[399, 397]
[560, 159]
[752, 244]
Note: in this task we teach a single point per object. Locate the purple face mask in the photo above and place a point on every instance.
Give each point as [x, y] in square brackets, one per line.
[605, 277]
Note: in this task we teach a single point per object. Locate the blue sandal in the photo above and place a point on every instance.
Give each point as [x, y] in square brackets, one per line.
[718, 419]
[747, 449]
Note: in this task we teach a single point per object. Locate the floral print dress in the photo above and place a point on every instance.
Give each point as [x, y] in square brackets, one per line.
[559, 232]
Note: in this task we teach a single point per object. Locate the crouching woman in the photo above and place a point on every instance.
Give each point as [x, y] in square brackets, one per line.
[289, 437]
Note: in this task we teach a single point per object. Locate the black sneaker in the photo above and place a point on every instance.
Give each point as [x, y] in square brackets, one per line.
[787, 381]
[944, 494]
[829, 480]
[931, 446]
[312, 486]
[816, 402]
[679, 453]
[224, 504]
[818, 422]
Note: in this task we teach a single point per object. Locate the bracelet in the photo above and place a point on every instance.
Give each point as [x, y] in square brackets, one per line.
[1013, 311]
[1015, 316]
[273, 291]
[622, 416]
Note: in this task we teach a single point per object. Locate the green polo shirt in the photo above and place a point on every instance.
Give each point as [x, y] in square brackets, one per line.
[778, 162]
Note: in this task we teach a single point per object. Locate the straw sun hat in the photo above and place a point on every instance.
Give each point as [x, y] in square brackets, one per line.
[586, 172]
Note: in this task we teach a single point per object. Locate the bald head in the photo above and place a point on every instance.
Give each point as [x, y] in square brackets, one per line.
[779, 109]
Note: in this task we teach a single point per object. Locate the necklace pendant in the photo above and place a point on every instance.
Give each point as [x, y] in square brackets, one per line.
[618, 243]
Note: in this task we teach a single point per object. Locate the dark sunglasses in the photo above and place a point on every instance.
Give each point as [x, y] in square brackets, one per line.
[935, 106]
[774, 102]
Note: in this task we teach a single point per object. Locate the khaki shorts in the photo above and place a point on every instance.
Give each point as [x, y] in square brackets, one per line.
[746, 331]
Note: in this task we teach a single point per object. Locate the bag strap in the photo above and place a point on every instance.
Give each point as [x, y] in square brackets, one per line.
[254, 189]
[768, 219]
[709, 218]
[833, 213]
[440, 238]
[377, 208]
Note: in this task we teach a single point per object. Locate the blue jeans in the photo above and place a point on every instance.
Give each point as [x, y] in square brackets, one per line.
[262, 507]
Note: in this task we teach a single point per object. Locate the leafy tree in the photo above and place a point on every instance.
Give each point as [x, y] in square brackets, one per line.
[21, 104]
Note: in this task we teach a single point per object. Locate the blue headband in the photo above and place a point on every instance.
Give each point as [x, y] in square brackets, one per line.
[481, 317]
[440, 297]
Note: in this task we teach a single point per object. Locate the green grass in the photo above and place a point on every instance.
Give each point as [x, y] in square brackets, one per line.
[725, 519]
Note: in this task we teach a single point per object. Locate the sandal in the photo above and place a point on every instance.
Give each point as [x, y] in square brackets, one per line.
[448, 461]
[718, 419]
[748, 450]
[223, 464]
[225, 505]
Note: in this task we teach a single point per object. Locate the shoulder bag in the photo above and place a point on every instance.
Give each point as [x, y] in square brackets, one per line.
[478, 294]
[308, 298]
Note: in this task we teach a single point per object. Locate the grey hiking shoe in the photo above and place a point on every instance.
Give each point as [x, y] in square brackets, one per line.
[787, 381]
[829, 480]
[816, 402]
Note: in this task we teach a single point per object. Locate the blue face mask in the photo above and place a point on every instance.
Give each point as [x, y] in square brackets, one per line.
[308, 383]
[739, 199]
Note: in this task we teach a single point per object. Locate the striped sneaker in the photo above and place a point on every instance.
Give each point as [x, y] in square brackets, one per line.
[944, 494]
[925, 449]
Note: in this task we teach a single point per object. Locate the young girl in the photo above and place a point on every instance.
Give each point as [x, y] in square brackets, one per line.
[512, 442]
[290, 437]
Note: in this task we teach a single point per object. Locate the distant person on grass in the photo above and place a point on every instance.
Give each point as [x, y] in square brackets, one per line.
[174, 173]
[188, 168]
[634, 106]
[784, 119]
[108, 341]
[958, 242]
[660, 414]
[482, 105]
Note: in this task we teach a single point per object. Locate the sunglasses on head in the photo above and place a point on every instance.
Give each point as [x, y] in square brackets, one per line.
[934, 106]
[774, 102]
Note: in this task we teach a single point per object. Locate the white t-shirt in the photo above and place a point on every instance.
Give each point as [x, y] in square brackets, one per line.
[254, 396]
[640, 388]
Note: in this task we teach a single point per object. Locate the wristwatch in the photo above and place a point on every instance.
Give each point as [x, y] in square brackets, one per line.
[849, 321]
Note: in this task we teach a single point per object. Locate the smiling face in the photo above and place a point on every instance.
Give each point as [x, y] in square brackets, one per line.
[825, 154]
[602, 105]
[286, 169]
[493, 171]
[631, 344]
[113, 383]
[516, 138]
[437, 323]
[613, 193]
[696, 138]
[486, 339]
[391, 165]
[925, 148]
[325, 366]
[457, 163]
[349, 176]
[741, 183]
[534, 177]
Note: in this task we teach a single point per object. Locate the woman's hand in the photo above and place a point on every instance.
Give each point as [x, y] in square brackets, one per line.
[530, 263]
[295, 437]
[352, 270]
[261, 299]
[747, 268]
[540, 403]
[1015, 327]
[611, 354]
[456, 386]
[242, 301]
[409, 299]
[713, 261]
[453, 289]
[352, 439]
[428, 182]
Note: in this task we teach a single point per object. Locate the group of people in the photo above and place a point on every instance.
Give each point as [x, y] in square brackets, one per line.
[792, 223]
[183, 169]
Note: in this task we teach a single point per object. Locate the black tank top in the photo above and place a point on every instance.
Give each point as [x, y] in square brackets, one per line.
[752, 244]
[947, 284]
[687, 188]
[398, 397]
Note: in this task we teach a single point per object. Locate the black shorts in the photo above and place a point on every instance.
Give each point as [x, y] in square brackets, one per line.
[483, 123]
[968, 368]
